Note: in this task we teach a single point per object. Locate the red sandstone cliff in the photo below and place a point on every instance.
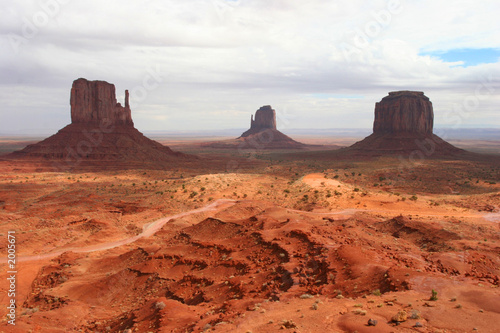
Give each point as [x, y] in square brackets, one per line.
[403, 125]
[404, 112]
[263, 133]
[95, 101]
[265, 118]
[101, 134]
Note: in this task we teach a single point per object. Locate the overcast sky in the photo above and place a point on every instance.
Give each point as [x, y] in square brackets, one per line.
[210, 64]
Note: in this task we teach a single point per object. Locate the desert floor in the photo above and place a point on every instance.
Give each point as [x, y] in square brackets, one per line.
[254, 241]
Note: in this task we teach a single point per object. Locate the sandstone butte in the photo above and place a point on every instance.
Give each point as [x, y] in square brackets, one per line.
[101, 134]
[95, 102]
[404, 124]
[263, 133]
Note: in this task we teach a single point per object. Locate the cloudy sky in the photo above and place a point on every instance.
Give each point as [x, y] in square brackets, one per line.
[209, 64]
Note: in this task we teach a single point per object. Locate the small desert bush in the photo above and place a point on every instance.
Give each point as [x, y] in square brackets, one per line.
[434, 296]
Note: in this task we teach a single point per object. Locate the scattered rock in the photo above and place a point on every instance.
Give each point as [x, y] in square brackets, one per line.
[288, 324]
[415, 314]
[372, 322]
[400, 316]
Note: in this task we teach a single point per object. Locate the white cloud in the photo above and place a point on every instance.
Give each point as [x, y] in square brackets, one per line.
[221, 60]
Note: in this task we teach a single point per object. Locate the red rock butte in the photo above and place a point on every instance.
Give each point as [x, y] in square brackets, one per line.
[265, 118]
[404, 112]
[101, 134]
[403, 125]
[95, 102]
[263, 133]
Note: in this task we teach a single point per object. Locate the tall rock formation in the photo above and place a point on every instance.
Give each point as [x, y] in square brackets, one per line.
[265, 118]
[95, 101]
[404, 112]
[101, 134]
[264, 135]
[403, 125]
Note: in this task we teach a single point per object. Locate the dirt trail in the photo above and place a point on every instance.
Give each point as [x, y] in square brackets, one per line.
[152, 228]
[492, 217]
[148, 230]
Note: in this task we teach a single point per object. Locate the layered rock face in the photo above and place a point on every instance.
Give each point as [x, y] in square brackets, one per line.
[403, 125]
[263, 133]
[265, 118]
[95, 102]
[404, 112]
[101, 134]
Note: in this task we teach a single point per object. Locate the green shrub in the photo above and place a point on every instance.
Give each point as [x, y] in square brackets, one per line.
[434, 296]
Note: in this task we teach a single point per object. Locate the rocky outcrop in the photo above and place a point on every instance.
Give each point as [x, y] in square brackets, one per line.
[403, 125]
[265, 118]
[404, 112]
[263, 133]
[101, 134]
[95, 102]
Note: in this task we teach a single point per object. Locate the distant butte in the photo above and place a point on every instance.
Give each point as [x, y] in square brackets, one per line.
[265, 118]
[264, 134]
[404, 112]
[101, 134]
[403, 124]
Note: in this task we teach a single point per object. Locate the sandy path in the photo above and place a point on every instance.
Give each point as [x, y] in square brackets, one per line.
[152, 228]
[148, 230]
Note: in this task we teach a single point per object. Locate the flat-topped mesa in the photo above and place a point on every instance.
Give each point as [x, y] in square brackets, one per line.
[265, 118]
[403, 125]
[404, 112]
[95, 102]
